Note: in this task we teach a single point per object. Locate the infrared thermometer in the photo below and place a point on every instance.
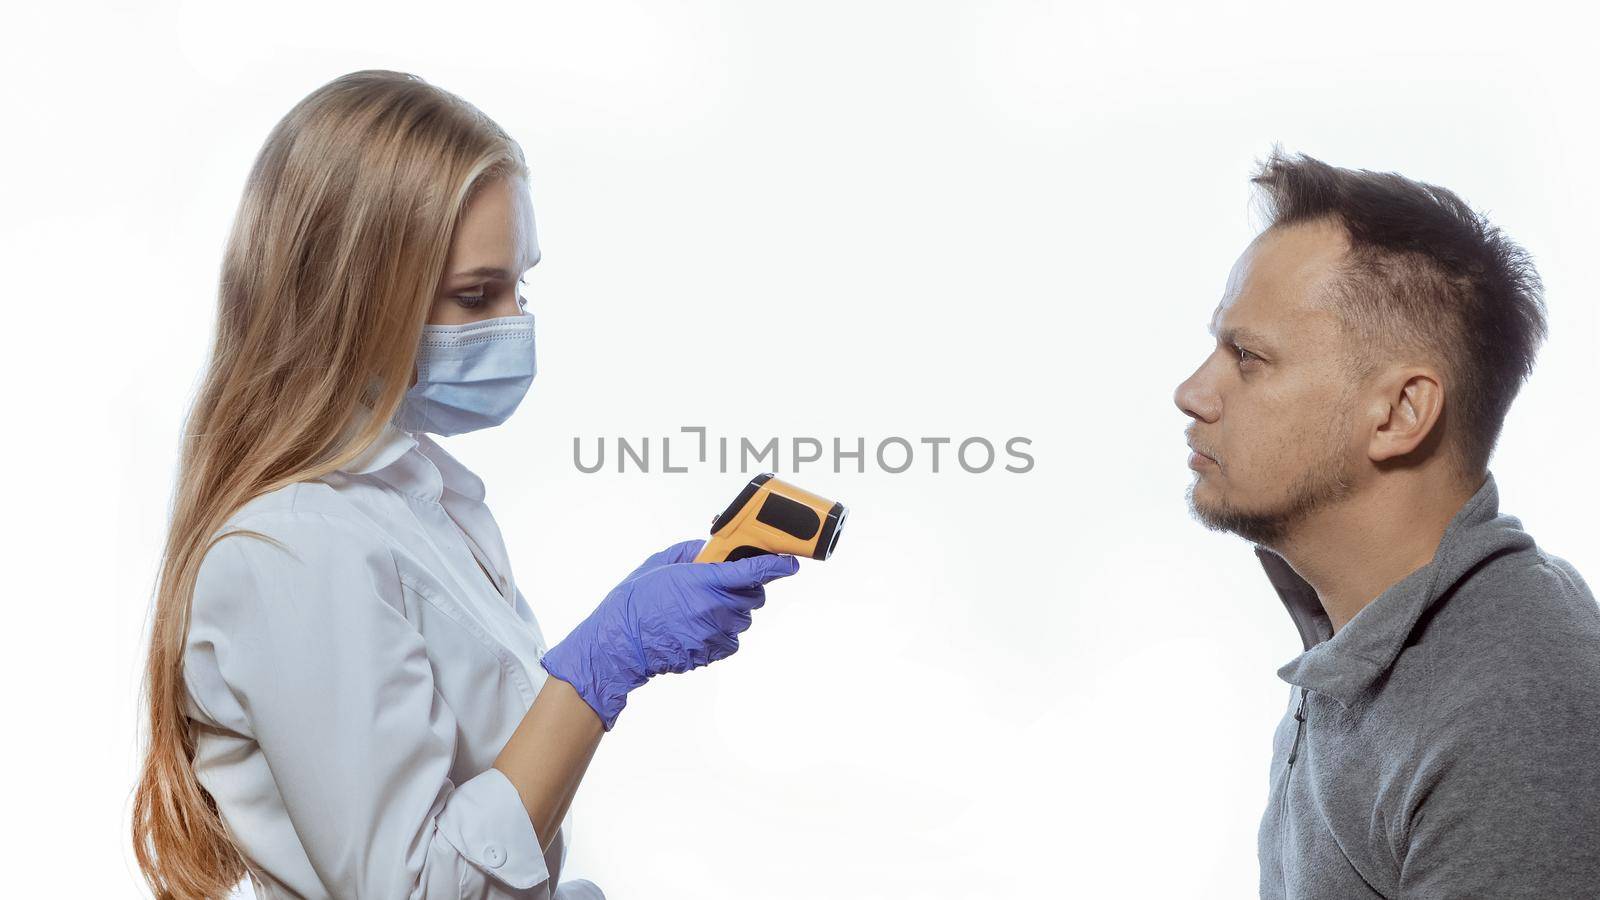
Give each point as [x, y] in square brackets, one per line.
[773, 516]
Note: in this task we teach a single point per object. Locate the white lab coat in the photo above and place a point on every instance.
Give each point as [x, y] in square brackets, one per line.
[353, 693]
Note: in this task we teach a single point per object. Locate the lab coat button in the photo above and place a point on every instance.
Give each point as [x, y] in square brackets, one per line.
[493, 855]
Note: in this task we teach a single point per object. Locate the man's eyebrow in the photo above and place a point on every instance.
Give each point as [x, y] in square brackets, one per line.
[1239, 334]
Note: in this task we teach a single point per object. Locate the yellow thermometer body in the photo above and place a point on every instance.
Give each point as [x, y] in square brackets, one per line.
[773, 516]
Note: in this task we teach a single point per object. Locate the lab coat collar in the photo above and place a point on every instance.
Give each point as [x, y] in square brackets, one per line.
[390, 445]
[410, 461]
[1345, 665]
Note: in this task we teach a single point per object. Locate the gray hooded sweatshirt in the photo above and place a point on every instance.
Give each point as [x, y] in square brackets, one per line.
[1446, 742]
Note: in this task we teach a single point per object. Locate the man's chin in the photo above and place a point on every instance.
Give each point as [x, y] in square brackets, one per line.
[1202, 500]
[1253, 527]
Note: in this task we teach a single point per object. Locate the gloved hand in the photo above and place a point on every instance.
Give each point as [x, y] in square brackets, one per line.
[668, 615]
[681, 552]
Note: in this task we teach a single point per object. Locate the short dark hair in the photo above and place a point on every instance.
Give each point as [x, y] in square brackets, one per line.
[1427, 273]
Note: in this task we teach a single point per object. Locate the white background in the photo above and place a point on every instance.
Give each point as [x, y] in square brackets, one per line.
[851, 219]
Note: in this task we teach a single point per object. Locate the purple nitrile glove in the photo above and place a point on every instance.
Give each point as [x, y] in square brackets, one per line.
[681, 552]
[669, 615]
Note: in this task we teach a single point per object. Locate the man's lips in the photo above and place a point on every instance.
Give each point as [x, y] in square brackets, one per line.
[1199, 458]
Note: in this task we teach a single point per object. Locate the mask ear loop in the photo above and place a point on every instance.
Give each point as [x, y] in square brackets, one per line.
[369, 393]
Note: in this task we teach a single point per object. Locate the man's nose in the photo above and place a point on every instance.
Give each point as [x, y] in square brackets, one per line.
[1196, 398]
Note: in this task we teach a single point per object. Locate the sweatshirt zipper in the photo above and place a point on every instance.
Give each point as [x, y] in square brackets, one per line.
[1300, 729]
[1299, 732]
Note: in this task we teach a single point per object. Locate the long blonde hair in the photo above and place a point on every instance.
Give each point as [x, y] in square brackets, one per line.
[335, 254]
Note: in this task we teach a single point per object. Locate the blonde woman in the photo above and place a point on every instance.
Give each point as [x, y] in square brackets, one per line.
[348, 695]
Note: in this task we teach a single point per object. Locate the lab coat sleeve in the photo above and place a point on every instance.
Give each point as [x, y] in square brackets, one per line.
[309, 649]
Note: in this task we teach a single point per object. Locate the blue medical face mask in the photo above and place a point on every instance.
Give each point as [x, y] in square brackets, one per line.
[469, 376]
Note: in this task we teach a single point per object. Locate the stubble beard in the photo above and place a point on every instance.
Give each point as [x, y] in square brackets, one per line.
[1328, 480]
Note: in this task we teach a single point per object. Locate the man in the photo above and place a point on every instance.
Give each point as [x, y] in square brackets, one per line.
[1443, 733]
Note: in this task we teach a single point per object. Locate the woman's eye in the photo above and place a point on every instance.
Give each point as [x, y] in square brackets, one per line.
[470, 301]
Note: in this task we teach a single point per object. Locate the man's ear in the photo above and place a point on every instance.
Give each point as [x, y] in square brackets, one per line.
[1406, 410]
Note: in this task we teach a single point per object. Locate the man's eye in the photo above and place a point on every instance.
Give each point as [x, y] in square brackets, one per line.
[1244, 355]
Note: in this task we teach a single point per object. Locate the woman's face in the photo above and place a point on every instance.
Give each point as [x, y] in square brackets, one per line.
[494, 245]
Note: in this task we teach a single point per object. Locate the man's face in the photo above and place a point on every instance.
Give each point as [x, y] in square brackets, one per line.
[1273, 405]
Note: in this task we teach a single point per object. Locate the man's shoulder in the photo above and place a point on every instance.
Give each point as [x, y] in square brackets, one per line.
[1570, 584]
[1527, 598]
[1516, 642]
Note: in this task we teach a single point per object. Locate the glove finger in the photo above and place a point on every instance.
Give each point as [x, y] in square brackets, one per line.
[753, 571]
[681, 552]
[665, 651]
[684, 551]
[654, 561]
[722, 647]
[730, 620]
[746, 599]
[713, 645]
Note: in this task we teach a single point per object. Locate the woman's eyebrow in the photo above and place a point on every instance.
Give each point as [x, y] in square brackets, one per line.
[496, 271]
[485, 272]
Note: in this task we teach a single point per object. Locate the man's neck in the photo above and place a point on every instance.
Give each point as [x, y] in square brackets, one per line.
[1358, 548]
